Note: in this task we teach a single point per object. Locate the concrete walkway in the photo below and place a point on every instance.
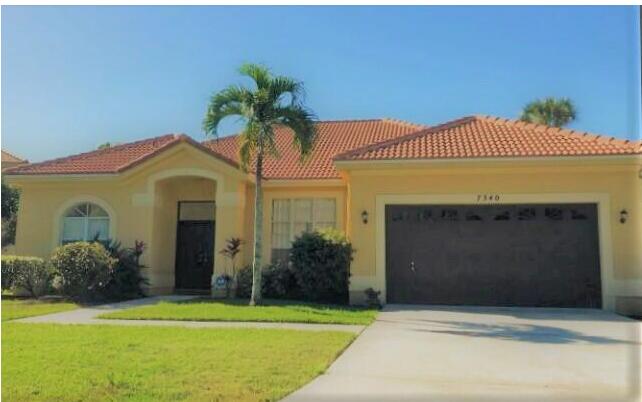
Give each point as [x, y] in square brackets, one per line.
[89, 316]
[420, 353]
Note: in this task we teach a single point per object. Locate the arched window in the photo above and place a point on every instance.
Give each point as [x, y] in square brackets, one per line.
[85, 222]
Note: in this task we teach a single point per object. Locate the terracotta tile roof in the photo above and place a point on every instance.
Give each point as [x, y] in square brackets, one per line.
[8, 157]
[469, 137]
[109, 160]
[333, 137]
[492, 137]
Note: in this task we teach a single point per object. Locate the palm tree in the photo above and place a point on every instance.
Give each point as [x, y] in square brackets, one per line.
[550, 111]
[272, 101]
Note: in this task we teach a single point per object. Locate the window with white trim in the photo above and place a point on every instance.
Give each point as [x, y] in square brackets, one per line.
[85, 222]
[293, 216]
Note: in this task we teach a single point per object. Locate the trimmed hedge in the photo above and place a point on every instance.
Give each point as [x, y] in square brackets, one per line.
[29, 273]
[277, 282]
[84, 269]
[321, 264]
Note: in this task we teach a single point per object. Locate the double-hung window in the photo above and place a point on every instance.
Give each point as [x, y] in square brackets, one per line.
[293, 216]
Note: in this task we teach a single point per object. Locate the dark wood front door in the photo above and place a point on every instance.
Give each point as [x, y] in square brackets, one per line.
[194, 254]
[503, 255]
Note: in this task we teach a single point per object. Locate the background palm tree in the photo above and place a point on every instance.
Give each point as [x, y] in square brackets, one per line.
[273, 100]
[550, 111]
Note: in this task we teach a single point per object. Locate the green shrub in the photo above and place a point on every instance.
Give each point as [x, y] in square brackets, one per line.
[8, 272]
[279, 282]
[321, 264]
[10, 203]
[126, 280]
[28, 273]
[9, 230]
[84, 269]
[244, 282]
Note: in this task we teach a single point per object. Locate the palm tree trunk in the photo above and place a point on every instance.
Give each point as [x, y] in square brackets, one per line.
[258, 233]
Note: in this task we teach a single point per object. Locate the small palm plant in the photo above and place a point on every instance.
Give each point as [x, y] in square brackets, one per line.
[550, 111]
[230, 251]
[272, 101]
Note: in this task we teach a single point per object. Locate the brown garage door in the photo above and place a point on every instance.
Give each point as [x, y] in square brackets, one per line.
[508, 255]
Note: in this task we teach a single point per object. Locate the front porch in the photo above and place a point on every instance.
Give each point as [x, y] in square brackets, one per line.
[191, 217]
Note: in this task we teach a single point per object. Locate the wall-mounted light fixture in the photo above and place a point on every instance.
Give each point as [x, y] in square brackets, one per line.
[624, 215]
[364, 216]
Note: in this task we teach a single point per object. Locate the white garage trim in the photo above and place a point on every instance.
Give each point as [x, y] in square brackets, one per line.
[603, 222]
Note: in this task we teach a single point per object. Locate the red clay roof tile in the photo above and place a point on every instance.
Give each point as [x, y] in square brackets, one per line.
[333, 137]
[107, 160]
[111, 160]
[492, 137]
[469, 137]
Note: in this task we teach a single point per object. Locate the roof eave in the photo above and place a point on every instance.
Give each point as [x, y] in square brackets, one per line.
[53, 177]
[344, 163]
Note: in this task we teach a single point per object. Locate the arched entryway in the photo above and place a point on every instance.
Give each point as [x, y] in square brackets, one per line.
[184, 233]
[190, 212]
[195, 234]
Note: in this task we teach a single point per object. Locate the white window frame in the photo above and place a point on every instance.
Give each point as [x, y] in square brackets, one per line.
[86, 222]
[291, 221]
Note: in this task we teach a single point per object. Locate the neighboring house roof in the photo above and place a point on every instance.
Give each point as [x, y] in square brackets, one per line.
[8, 157]
[354, 140]
[492, 137]
[112, 159]
[9, 161]
[333, 137]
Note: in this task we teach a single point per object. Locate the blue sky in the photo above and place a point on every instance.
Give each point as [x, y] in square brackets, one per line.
[75, 77]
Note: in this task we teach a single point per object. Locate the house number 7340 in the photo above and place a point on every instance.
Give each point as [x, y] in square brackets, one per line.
[487, 197]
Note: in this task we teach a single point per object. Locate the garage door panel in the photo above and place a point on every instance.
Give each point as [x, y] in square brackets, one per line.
[521, 255]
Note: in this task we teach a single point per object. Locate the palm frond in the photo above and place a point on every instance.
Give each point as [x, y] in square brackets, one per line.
[302, 123]
[260, 74]
[250, 139]
[246, 154]
[231, 101]
[269, 142]
[550, 111]
[281, 86]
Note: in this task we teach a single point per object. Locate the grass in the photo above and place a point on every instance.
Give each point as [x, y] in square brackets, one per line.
[238, 310]
[12, 309]
[48, 362]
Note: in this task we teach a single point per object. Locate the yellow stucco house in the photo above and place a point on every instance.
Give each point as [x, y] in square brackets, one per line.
[479, 211]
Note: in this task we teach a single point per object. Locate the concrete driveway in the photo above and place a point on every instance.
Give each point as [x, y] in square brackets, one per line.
[425, 353]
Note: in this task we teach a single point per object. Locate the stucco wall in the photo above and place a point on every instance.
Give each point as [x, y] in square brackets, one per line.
[616, 182]
[142, 203]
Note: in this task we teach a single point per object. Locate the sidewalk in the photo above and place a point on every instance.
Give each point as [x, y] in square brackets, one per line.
[89, 316]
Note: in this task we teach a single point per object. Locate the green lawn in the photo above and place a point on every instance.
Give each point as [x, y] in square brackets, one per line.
[47, 362]
[238, 310]
[12, 309]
